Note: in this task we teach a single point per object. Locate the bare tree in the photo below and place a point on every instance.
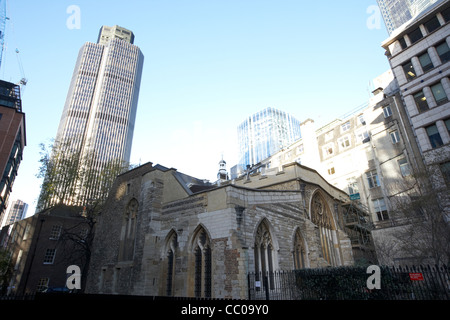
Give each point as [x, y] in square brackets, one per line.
[419, 210]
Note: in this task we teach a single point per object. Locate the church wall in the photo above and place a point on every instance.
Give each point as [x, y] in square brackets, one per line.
[229, 216]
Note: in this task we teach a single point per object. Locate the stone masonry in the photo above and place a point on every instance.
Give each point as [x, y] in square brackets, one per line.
[163, 233]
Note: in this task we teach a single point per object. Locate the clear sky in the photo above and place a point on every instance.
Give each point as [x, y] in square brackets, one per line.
[208, 64]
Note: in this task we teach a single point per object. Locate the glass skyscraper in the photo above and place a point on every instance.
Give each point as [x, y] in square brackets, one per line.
[397, 12]
[100, 110]
[264, 133]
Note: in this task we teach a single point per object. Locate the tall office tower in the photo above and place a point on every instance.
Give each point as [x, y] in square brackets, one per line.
[12, 138]
[397, 12]
[100, 110]
[265, 133]
[16, 211]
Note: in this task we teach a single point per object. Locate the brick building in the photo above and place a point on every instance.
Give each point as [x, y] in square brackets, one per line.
[168, 234]
[40, 251]
[12, 139]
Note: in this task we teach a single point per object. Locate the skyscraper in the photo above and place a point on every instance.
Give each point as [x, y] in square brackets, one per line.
[397, 12]
[264, 133]
[16, 211]
[100, 110]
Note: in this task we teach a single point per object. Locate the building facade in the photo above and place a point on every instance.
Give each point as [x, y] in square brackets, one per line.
[163, 233]
[12, 139]
[42, 247]
[100, 110]
[419, 56]
[420, 60]
[16, 211]
[397, 12]
[264, 133]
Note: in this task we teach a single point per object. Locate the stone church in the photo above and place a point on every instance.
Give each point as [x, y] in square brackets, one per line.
[164, 233]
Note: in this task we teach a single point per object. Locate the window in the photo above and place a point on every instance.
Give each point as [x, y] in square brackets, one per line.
[331, 171]
[352, 186]
[328, 149]
[129, 228]
[362, 136]
[264, 251]
[49, 256]
[42, 284]
[408, 68]
[446, 14]
[202, 265]
[55, 232]
[380, 209]
[445, 169]
[415, 35]
[361, 119]
[345, 126]
[439, 93]
[434, 136]
[425, 62]
[395, 136]
[299, 251]
[404, 167]
[27, 232]
[432, 24]
[372, 179]
[321, 217]
[447, 124]
[171, 249]
[421, 101]
[402, 43]
[443, 52]
[344, 142]
[387, 111]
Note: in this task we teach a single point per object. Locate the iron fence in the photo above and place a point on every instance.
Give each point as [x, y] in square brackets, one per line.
[350, 283]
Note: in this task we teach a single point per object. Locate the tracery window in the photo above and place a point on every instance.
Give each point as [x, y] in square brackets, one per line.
[264, 252]
[299, 251]
[321, 216]
[128, 234]
[202, 264]
[172, 245]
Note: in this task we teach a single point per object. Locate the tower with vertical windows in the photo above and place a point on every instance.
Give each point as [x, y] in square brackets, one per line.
[397, 12]
[264, 133]
[100, 110]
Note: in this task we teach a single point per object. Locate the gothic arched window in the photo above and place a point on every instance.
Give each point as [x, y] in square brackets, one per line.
[128, 234]
[202, 264]
[321, 216]
[264, 251]
[171, 249]
[299, 251]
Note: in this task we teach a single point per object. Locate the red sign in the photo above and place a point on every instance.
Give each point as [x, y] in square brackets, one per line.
[416, 276]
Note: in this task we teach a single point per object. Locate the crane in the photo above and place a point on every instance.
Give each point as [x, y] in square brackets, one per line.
[2, 27]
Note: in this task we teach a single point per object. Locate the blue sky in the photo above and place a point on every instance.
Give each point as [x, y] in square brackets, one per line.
[208, 64]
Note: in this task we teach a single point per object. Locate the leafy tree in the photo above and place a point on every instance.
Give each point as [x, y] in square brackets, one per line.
[5, 270]
[77, 180]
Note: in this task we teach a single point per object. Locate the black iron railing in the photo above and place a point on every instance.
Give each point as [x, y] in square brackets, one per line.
[350, 283]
